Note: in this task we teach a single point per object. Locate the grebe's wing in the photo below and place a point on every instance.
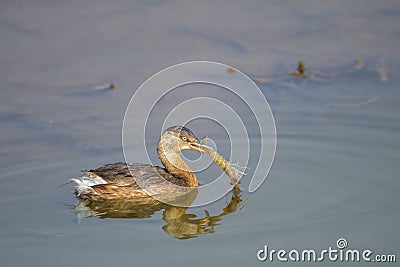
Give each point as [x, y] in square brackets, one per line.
[119, 173]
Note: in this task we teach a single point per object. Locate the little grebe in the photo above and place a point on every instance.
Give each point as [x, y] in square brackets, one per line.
[122, 181]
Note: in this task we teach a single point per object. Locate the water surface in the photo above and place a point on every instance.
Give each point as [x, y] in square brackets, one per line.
[336, 168]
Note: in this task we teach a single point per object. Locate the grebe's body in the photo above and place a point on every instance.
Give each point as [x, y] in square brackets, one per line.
[122, 181]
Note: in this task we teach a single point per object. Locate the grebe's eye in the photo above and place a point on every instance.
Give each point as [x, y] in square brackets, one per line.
[184, 138]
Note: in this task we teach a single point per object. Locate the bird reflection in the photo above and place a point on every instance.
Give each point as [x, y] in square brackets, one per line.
[178, 223]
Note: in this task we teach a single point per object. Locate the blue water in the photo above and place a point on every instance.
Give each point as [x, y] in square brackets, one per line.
[335, 173]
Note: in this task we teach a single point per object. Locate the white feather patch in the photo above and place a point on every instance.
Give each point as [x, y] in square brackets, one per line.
[85, 182]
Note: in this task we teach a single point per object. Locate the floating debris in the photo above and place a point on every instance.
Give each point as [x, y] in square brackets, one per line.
[357, 104]
[231, 70]
[383, 74]
[301, 71]
[263, 80]
[109, 86]
[358, 63]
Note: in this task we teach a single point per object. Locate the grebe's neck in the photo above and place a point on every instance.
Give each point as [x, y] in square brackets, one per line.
[175, 165]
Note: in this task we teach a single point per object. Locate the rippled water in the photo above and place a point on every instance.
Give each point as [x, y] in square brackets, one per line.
[336, 168]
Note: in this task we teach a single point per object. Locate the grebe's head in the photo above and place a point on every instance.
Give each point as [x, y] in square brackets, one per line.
[178, 138]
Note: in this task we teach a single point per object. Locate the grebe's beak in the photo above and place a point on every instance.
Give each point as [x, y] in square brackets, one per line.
[197, 146]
